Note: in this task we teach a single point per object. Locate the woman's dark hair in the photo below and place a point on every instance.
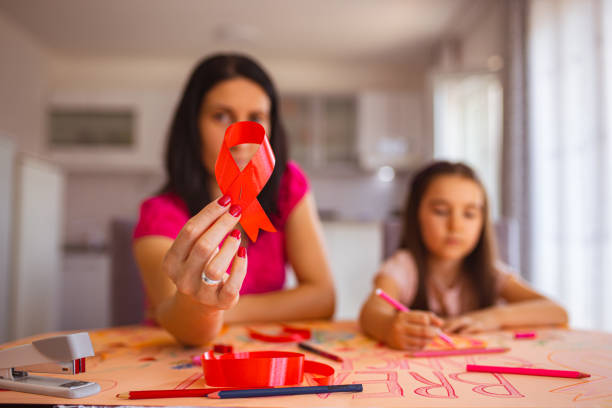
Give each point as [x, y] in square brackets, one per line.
[479, 264]
[186, 175]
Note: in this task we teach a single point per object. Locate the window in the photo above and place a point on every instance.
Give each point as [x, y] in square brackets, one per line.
[468, 126]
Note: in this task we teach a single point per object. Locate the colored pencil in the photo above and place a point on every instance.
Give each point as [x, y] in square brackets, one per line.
[457, 352]
[391, 301]
[270, 392]
[194, 392]
[403, 308]
[524, 335]
[525, 371]
[323, 353]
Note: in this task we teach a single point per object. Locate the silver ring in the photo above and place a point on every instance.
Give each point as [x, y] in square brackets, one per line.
[209, 281]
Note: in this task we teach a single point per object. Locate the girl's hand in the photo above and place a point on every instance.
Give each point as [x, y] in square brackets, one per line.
[412, 330]
[475, 322]
[195, 255]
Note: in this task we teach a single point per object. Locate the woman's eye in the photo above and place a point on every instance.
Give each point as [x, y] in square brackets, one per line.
[222, 117]
[470, 215]
[256, 118]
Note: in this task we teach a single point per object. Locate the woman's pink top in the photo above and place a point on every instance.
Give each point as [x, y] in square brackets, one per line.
[444, 301]
[165, 215]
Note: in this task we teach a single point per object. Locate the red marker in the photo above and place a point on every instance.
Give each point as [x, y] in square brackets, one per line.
[526, 371]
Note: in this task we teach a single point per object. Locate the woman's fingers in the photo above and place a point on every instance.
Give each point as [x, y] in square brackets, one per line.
[228, 295]
[203, 249]
[195, 227]
[216, 268]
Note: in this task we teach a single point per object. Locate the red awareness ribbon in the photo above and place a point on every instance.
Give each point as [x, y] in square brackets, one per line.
[262, 369]
[244, 186]
[290, 334]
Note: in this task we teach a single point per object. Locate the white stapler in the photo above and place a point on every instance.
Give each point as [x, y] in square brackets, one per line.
[61, 354]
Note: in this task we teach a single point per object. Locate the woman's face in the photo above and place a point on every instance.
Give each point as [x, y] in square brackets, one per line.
[451, 216]
[230, 101]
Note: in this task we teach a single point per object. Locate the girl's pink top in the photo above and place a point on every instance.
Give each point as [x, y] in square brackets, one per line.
[451, 301]
[165, 215]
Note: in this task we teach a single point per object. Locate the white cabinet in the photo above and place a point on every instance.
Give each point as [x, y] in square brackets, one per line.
[152, 111]
[86, 292]
[354, 251]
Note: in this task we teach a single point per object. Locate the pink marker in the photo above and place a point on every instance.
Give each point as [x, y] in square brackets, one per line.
[403, 308]
[524, 335]
[391, 301]
[526, 371]
[457, 352]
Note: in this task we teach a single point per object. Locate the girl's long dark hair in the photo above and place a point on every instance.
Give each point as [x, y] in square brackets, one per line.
[479, 264]
[186, 175]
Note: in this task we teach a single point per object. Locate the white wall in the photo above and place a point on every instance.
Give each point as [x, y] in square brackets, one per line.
[23, 84]
[289, 75]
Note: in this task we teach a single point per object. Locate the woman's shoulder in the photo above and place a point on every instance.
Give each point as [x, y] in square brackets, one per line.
[293, 187]
[294, 178]
[163, 214]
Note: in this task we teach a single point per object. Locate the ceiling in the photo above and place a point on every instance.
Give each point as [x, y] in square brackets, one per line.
[342, 30]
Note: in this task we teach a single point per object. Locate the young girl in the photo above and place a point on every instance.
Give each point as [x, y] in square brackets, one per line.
[188, 235]
[446, 270]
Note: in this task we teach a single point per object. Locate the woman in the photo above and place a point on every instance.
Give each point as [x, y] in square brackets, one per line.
[178, 237]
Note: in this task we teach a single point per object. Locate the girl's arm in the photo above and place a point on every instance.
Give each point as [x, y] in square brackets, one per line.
[399, 330]
[314, 297]
[191, 310]
[525, 307]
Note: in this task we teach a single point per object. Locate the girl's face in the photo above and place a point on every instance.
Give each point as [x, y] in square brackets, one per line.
[230, 101]
[451, 216]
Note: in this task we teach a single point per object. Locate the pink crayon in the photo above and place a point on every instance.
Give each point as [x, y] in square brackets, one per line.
[403, 308]
[524, 335]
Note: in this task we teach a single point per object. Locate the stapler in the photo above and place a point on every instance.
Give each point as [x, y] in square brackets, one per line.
[59, 355]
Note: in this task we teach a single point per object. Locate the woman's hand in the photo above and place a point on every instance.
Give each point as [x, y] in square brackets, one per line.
[474, 322]
[197, 266]
[412, 330]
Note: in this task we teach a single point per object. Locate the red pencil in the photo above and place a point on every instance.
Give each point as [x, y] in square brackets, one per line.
[311, 348]
[194, 392]
[526, 371]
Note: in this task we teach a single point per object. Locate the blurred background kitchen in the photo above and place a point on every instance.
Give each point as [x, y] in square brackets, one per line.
[370, 90]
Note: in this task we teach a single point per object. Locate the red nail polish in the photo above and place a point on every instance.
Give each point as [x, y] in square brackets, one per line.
[235, 210]
[225, 200]
[242, 252]
[236, 234]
